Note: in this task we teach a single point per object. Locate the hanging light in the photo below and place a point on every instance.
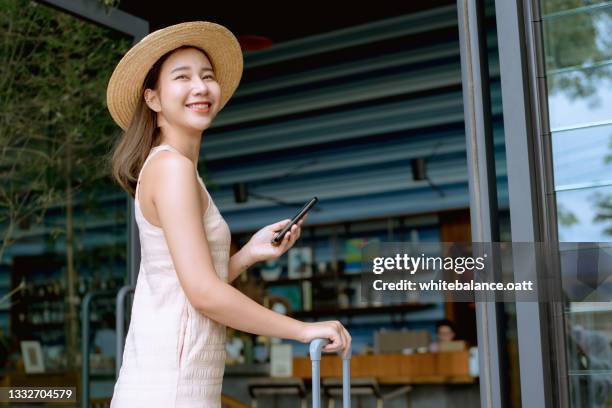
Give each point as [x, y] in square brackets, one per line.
[419, 170]
[419, 173]
[241, 193]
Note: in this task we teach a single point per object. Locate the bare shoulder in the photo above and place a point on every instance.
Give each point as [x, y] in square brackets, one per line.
[171, 173]
[168, 162]
[171, 177]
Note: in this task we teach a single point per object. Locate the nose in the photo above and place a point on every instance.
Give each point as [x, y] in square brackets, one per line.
[200, 86]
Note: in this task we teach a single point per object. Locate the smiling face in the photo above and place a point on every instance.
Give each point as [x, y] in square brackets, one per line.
[186, 78]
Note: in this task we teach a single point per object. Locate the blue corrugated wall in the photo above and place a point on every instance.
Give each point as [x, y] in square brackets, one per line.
[344, 112]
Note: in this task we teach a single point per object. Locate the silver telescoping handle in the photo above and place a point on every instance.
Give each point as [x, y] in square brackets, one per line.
[316, 347]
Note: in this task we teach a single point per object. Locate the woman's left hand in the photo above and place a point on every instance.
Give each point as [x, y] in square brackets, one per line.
[260, 247]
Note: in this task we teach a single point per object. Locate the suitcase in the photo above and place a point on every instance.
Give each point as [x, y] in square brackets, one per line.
[315, 356]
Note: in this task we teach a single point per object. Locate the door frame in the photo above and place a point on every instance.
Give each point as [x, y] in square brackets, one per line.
[540, 329]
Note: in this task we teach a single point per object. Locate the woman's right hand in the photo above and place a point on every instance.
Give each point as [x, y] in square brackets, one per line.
[333, 330]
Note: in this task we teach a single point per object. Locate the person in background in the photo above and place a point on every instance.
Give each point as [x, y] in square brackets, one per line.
[445, 332]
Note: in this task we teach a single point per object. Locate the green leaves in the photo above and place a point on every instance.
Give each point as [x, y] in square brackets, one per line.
[54, 125]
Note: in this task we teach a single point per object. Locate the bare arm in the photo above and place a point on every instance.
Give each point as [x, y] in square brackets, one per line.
[238, 263]
[180, 211]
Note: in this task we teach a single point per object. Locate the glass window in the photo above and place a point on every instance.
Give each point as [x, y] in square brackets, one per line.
[578, 37]
[584, 215]
[582, 157]
[589, 352]
[580, 97]
[578, 50]
[557, 7]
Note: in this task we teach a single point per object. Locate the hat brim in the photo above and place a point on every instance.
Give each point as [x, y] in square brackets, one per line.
[126, 83]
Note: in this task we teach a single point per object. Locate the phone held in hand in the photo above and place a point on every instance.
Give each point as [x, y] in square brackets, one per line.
[279, 237]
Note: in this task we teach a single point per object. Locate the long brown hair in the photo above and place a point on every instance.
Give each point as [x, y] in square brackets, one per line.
[133, 146]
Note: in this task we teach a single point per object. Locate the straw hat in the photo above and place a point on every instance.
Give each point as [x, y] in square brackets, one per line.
[125, 86]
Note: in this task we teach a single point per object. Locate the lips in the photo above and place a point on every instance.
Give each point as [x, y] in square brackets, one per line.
[200, 106]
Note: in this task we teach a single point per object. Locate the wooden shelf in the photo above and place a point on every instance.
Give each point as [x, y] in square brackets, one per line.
[450, 367]
[428, 379]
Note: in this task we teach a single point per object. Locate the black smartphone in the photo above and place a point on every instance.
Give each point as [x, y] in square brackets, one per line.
[281, 234]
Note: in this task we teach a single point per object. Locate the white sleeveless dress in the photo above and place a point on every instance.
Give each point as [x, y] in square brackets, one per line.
[174, 356]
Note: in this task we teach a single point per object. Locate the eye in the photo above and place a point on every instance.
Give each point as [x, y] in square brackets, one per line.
[181, 76]
[209, 76]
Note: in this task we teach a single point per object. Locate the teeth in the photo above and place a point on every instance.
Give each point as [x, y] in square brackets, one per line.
[200, 105]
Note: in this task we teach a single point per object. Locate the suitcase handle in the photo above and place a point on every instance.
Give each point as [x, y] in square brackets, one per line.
[316, 347]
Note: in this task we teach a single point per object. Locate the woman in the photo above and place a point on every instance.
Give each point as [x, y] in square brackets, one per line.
[164, 93]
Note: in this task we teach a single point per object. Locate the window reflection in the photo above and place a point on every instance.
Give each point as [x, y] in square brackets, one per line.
[578, 37]
[582, 157]
[580, 97]
[585, 214]
[578, 52]
[550, 7]
[590, 354]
